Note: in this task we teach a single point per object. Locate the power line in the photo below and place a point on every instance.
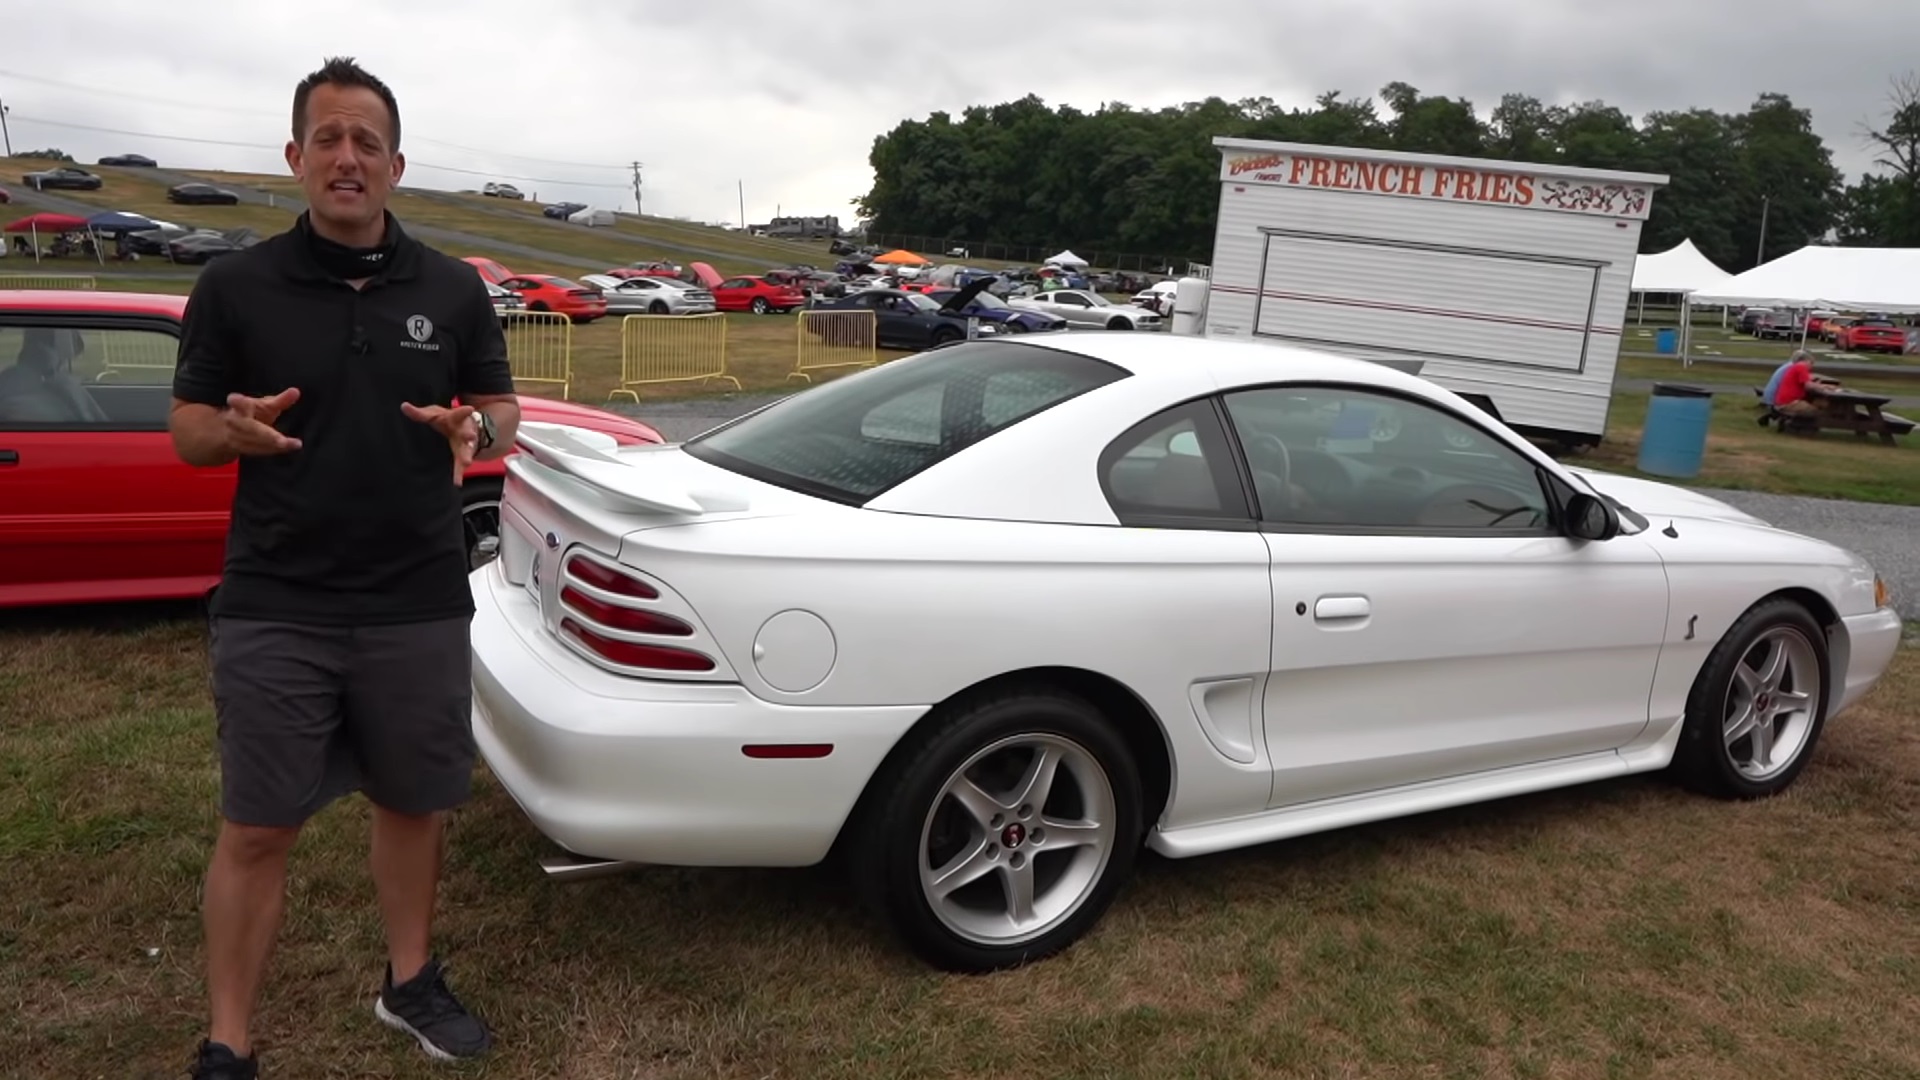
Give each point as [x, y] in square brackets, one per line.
[283, 116]
[263, 146]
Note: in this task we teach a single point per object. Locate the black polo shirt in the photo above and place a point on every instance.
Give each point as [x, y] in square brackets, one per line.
[362, 523]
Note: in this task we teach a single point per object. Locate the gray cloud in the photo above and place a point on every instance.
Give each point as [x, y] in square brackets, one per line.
[787, 98]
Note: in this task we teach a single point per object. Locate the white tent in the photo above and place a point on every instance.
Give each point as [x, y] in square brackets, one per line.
[1680, 269]
[1846, 279]
[1069, 260]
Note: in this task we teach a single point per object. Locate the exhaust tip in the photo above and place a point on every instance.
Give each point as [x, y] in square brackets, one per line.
[580, 868]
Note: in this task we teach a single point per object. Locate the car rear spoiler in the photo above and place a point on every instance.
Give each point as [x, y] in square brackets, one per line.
[589, 459]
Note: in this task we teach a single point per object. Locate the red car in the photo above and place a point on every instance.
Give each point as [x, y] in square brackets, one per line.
[545, 292]
[94, 505]
[754, 294]
[491, 271]
[1871, 335]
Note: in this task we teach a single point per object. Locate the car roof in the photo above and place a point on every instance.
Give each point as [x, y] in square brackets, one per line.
[89, 301]
[1158, 354]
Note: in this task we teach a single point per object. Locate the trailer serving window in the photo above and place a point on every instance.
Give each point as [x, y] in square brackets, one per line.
[1426, 300]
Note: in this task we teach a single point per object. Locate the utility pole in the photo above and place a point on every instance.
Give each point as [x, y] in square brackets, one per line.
[742, 184]
[1760, 256]
[4, 133]
[638, 206]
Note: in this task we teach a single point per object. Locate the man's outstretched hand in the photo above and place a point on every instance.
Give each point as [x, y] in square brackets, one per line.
[249, 423]
[461, 431]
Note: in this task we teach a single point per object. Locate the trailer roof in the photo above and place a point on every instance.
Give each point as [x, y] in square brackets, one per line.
[1226, 143]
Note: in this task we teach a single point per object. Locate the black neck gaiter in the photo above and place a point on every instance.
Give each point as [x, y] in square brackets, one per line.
[350, 263]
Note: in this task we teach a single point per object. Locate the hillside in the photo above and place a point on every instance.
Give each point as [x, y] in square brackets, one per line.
[514, 233]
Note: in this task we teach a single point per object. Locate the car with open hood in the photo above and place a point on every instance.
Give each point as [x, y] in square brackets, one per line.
[912, 320]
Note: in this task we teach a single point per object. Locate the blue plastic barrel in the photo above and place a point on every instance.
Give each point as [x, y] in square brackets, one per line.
[1667, 341]
[1675, 437]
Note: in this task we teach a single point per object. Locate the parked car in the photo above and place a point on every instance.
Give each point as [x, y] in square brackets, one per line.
[990, 308]
[1158, 298]
[546, 292]
[1749, 318]
[198, 194]
[1779, 325]
[488, 269]
[135, 161]
[1872, 335]
[203, 247]
[756, 294]
[1156, 600]
[563, 211]
[650, 296]
[1082, 308]
[5, 196]
[911, 320]
[94, 504]
[1830, 327]
[63, 177]
[505, 301]
[502, 191]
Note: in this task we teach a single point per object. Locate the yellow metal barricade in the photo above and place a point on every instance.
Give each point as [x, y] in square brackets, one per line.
[142, 356]
[540, 348]
[835, 339]
[47, 281]
[672, 348]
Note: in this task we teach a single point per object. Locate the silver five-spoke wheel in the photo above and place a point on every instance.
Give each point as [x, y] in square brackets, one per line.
[1017, 839]
[1771, 702]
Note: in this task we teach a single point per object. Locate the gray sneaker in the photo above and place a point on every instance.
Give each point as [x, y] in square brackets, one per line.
[426, 1009]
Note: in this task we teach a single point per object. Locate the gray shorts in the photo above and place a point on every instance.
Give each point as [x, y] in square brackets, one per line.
[308, 714]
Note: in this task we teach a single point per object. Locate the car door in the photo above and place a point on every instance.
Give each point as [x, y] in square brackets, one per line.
[1431, 619]
[898, 321]
[1074, 308]
[94, 504]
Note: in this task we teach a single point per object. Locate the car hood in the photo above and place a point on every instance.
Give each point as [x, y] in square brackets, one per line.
[549, 411]
[959, 300]
[1653, 499]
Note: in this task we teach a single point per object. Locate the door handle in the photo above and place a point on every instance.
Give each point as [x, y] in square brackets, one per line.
[1341, 607]
[9, 457]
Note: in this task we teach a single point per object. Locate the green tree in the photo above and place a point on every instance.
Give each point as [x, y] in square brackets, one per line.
[1433, 125]
[1696, 151]
[1897, 149]
[1787, 178]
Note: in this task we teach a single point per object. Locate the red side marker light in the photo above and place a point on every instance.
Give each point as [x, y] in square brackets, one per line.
[787, 750]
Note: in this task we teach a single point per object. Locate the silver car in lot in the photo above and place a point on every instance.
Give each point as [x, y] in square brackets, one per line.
[650, 296]
[505, 301]
[1086, 308]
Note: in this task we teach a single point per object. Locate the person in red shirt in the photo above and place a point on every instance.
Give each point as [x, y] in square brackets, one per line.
[1799, 388]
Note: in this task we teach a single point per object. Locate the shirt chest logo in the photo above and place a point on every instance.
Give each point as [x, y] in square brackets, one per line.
[420, 329]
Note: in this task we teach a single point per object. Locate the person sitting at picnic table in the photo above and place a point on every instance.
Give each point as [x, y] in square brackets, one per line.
[1796, 387]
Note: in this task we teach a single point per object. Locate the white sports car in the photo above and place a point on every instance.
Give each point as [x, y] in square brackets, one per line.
[985, 620]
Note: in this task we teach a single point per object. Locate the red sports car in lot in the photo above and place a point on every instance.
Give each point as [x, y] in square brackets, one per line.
[94, 504]
[757, 295]
[1872, 335]
[544, 292]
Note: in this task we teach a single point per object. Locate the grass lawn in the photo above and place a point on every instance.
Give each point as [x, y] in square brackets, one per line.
[1617, 929]
[1742, 455]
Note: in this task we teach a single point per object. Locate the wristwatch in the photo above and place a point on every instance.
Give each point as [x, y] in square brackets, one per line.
[487, 430]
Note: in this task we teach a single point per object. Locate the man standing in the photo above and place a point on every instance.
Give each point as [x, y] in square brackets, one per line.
[326, 361]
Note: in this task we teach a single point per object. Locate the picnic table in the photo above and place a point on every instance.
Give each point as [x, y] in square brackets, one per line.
[1845, 410]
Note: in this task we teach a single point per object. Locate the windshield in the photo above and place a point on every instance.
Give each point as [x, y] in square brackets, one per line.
[856, 437]
[923, 301]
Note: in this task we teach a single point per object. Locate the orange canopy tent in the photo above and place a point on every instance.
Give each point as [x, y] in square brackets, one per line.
[901, 256]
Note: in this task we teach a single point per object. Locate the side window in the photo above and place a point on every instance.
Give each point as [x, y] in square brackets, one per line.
[1331, 457]
[1174, 469]
[912, 417]
[75, 378]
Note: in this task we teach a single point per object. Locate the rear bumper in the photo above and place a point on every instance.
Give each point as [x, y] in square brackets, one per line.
[655, 772]
[1872, 641]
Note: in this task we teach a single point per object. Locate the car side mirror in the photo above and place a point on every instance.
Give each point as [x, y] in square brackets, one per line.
[1590, 518]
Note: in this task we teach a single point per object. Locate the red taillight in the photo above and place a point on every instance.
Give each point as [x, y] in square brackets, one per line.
[620, 618]
[629, 654]
[613, 581]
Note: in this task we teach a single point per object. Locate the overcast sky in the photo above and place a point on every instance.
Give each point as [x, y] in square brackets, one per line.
[787, 97]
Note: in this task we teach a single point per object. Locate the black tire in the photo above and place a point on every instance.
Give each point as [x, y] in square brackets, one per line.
[1118, 323]
[759, 305]
[1704, 762]
[946, 335]
[885, 855]
[658, 307]
[479, 498]
[537, 305]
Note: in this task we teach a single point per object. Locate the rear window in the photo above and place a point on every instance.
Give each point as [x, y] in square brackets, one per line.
[853, 439]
